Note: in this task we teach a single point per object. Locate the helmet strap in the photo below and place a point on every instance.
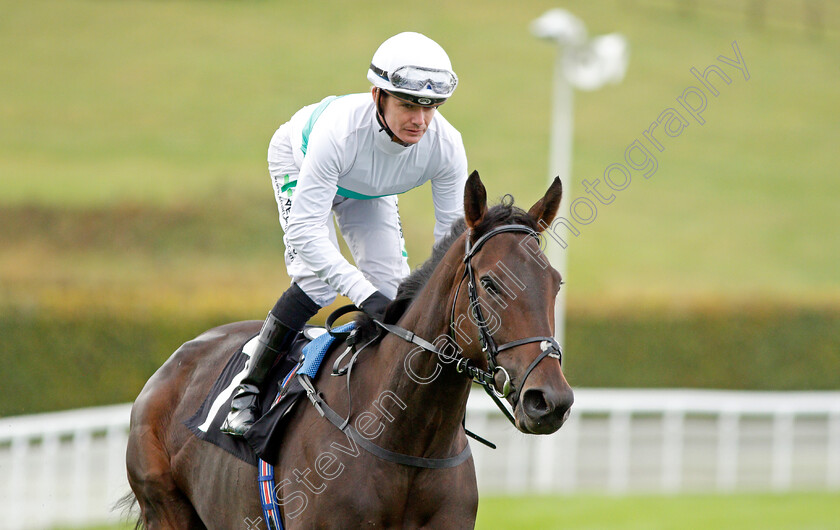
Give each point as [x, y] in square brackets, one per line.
[380, 117]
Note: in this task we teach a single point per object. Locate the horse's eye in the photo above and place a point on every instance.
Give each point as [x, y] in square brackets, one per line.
[489, 285]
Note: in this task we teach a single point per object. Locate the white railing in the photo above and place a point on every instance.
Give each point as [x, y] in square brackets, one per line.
[68, 467]
[63, 468]
[669, 441]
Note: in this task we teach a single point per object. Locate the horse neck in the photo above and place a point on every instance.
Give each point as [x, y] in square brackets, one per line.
[435, 407]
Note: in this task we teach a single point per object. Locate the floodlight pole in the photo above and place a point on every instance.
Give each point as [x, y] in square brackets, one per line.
[563, 30]
[581, 63]
[560, 165]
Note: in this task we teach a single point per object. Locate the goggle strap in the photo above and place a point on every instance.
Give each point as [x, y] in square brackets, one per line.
[380, 72]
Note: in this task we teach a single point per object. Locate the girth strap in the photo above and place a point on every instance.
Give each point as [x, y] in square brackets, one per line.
[344, 425]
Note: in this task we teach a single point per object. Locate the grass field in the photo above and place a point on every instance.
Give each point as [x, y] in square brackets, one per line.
[801, 511]
[733, 512]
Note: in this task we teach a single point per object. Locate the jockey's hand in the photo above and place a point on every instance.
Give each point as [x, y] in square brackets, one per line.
[375, 305]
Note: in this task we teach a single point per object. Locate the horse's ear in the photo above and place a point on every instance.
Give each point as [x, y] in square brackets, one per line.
[545, 209]
[475, 200]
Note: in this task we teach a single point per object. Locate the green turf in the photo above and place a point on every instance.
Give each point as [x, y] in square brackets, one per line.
[805, 511]
[799, 511]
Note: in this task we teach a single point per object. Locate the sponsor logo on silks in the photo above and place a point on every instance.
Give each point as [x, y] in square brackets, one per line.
[424, 101]
[288, 187]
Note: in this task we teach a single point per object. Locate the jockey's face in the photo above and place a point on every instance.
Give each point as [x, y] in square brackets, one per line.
[406, 120]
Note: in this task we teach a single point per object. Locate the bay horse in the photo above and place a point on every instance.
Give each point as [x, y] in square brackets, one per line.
[489, 312]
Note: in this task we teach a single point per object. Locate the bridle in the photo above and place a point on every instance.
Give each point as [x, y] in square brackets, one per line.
[548, 345]
[485, 378]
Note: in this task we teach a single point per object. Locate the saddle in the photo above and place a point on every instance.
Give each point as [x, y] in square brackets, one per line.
[280, 394]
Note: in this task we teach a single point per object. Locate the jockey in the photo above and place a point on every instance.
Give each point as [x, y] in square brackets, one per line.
[345, 159]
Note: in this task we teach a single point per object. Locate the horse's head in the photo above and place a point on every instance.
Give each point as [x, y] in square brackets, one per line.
[512, 290]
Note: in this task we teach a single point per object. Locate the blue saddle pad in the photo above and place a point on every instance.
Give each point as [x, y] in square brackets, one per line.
[314, 352]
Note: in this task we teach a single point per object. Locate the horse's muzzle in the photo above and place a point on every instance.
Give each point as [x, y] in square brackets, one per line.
[543, 410]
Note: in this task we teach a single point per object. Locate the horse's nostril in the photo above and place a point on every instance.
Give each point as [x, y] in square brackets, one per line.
[534, 402]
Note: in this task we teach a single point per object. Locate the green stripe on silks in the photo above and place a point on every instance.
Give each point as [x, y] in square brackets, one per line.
[289, 185]
[350, 194]
[307, 129]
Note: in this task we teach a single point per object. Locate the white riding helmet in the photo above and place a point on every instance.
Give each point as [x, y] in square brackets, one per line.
[414, 67]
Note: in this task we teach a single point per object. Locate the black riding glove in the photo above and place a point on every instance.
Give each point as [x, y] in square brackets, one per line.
[375, 305]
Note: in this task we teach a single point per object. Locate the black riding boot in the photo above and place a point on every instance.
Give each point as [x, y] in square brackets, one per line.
[245, 405]
[294, 307]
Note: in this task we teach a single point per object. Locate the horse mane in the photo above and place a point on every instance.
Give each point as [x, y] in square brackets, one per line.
[503, 213]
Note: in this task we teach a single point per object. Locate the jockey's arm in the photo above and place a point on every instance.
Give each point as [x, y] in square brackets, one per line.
[448, 192]
[308, 232]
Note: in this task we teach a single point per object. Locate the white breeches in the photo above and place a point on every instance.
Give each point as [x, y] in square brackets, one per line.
[373, 232]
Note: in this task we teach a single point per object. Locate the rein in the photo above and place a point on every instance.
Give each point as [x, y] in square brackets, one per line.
[344, 426]
[485, 378]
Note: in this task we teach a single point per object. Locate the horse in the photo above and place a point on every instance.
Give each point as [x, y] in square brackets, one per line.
[481, 309]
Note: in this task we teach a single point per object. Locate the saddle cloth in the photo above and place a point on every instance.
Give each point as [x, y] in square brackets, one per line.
[305, 355]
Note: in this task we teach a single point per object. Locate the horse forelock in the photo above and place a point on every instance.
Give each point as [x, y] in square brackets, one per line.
[504, 213]
[501, 214]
